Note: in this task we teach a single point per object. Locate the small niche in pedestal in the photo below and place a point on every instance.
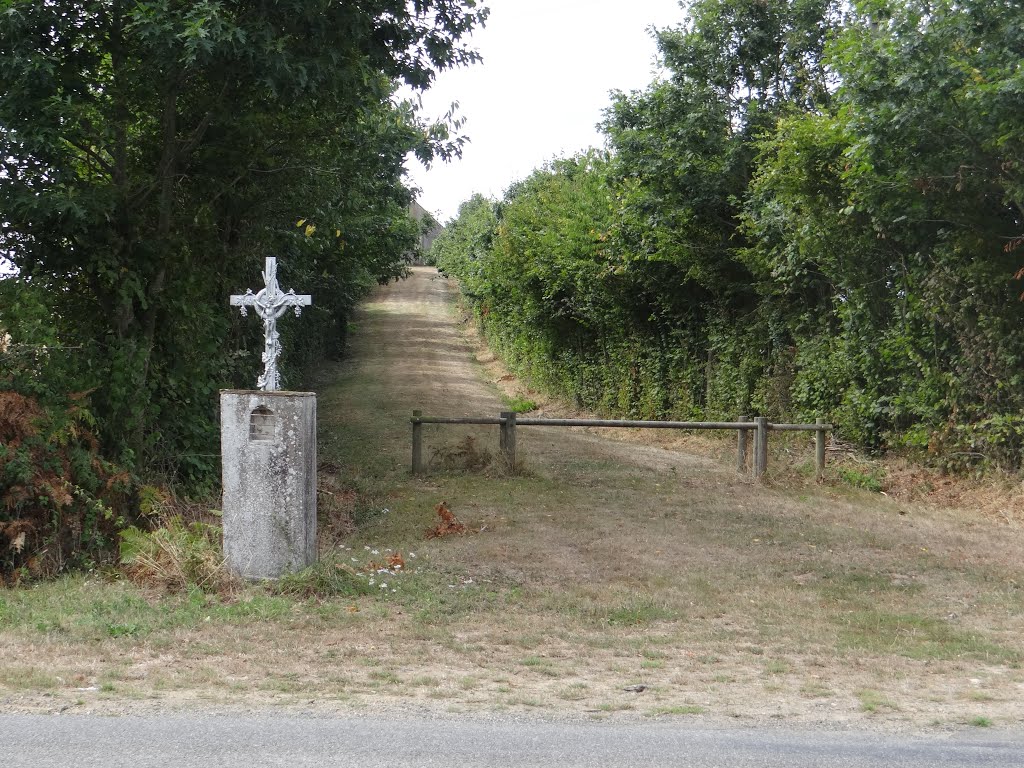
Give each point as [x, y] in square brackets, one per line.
[262, 425]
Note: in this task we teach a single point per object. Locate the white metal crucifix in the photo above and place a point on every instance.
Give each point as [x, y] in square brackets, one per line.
[270, 304]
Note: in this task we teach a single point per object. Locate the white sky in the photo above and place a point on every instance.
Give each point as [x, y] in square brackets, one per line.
[539, 93]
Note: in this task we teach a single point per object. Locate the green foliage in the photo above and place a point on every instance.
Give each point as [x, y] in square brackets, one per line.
[153, 153]
[638, 611]
[464, 246]
[520, 404]
[867, 481]
[818, 213]
[327, 578]
[878, 216]
[995, 442]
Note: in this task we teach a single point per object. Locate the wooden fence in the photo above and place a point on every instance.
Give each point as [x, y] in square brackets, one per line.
[508, 422]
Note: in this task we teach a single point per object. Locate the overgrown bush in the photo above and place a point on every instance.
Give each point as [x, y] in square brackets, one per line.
[61, 503]
[817, 213]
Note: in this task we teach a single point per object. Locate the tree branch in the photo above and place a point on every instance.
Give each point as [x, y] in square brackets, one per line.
[92, 153]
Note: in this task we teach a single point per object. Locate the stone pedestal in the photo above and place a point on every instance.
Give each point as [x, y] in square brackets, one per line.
[268, 451]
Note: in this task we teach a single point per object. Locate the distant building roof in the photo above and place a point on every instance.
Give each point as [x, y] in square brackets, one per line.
[427, 236]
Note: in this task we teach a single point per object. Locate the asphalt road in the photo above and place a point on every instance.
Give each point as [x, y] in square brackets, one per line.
[368, 742]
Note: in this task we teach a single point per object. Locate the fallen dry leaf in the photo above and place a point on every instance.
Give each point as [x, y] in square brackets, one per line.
[449, 524]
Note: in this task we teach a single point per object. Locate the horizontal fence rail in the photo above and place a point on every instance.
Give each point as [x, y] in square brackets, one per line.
[509, 421]
[633, 424]
[455, 420]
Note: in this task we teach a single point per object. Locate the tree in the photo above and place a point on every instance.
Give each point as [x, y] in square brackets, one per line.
[815, 214]
[152, 152]
[900, 211]
[684, 153]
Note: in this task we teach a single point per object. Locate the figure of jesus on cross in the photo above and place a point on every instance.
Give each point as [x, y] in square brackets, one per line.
[270, 303]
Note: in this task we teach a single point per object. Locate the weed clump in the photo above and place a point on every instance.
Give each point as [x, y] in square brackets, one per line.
[520, 404]
[176, 556]
[321, 580]
[865, 480]
[465, 456]
[336, 504]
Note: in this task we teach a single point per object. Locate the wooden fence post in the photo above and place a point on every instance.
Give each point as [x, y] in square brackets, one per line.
[760, 446]
[510, 440]
[741, 447]
[819, 451]
[417, 443]
[507, 440]
[503, 432]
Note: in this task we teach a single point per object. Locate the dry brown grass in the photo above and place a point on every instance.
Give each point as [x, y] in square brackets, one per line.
[610, 563]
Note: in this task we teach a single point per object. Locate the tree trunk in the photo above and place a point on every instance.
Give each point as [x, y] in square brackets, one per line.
[167, 176]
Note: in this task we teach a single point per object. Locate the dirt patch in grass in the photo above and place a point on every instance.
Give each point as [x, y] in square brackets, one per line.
[613, 575]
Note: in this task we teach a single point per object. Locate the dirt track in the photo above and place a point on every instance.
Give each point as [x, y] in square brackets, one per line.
[608, 521]
[611, 577]
[407, 338]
